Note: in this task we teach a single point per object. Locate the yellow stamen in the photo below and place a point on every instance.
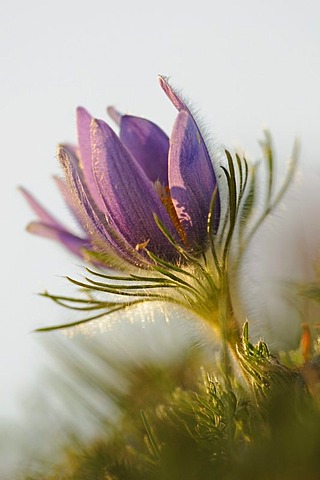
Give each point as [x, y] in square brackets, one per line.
[166, 200]
[142, 246]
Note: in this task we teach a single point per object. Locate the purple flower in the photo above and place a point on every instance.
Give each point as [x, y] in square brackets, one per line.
[136, 192]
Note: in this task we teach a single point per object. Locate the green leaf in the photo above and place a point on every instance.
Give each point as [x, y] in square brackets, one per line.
[250, 199]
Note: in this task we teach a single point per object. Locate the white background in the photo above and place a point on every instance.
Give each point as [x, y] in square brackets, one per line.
[246, 64]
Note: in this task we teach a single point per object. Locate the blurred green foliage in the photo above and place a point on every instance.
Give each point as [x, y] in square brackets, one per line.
[188, 421]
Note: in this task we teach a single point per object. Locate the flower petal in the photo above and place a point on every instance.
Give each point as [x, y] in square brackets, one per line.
[191, 178]
[83, 125]
[128, 195]
[72, 151]
[114, 114]
[39, 210]
[49, 227]
[71, 242]
[171, 94]
[148, 144]
[102, 233]
[69, 199]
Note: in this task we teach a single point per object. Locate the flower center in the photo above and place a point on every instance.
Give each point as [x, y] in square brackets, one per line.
[165, 197]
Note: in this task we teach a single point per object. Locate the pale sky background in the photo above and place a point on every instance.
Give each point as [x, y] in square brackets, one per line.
[245, 64]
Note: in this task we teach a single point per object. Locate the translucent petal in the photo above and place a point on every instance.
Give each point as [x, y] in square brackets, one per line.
[39, 210]
[128, 194]
[71, 242]
[83, 124]
[191, 178]
[148, 144]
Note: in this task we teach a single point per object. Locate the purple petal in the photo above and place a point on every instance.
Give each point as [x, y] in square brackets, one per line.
[83, 124]
[39, 210]
[115, 115]
[148, 144]
[129, 196]
[49, 227]
[71, 242]
[102, 232]
[191, 178]
[72, 151]
[69, 199]
[171, 94]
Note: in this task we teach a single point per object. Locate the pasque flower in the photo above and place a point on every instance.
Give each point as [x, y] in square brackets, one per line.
[144, 200]
[137, 193]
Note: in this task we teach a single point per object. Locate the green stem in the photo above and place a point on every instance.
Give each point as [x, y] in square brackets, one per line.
[228, 325]
[230, 334]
